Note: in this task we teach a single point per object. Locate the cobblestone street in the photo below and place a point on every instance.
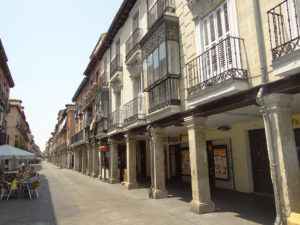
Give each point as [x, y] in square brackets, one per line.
[69, 198]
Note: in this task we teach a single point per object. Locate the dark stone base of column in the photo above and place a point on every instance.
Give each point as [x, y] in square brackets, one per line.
[159, 194]
[201, 207]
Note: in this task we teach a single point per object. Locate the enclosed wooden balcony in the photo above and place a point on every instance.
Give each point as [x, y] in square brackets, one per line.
[159, 8]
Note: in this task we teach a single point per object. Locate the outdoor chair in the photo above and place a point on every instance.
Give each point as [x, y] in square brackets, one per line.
[34, 187]
[13, 188]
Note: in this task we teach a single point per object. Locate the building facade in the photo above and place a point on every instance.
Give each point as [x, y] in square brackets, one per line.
[194, 92]
[6, 82]
[18, 130]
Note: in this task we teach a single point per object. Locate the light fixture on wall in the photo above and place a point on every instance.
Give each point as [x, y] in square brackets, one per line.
[224, 128]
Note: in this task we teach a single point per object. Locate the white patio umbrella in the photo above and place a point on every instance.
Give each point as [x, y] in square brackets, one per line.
[10, 152]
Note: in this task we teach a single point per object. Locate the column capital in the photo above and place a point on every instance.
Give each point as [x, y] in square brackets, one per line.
[112, 141]
[156, 132]
[275, 102]
[193, 121]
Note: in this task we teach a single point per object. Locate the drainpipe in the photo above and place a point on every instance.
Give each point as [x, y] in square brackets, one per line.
[260, 41]
[272, 158]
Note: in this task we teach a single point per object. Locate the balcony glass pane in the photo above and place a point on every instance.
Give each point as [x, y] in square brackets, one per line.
[173, 57]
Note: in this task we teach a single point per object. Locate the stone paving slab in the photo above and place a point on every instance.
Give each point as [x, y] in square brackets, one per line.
[70, 198]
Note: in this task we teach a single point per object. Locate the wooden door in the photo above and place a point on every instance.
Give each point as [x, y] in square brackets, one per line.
[260, 162]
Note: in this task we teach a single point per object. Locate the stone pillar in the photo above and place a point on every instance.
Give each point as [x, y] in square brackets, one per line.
[158, 180]
[114, 170]
[131, 161]
[100, 165]
[76, 160]
[95, 161]
[84, 161]
[90, 160]
[201, 202]
[284, 164]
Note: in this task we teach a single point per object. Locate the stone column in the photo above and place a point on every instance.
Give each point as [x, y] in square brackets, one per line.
[131, 161]
[76, 163]
[284, 164]
[114, 170]
[158, 187]
[201, 202]
[84, 161]
[89, 160]
[100, 165]
[95, 161]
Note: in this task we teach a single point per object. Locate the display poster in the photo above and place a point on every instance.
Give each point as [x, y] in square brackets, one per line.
[221, 163]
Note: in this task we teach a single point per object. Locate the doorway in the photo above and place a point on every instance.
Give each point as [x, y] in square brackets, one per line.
[260, 162]
[141, 163]
[122, 161]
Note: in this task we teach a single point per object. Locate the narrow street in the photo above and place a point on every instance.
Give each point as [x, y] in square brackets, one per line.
[69, 198]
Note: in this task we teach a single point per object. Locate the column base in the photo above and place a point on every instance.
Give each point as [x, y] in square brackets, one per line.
[294, 219]
[131, 186]
[159, 194]
[201, 208]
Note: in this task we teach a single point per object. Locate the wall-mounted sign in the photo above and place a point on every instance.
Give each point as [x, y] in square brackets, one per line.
[104, 148]
[221, 162]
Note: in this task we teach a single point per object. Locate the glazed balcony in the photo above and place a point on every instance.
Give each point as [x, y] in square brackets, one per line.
[224, 63]
[78, 137]
[116, 66]
[284, 28]
[115, 119]
[134, 110]
[133, 50]
[159, 8]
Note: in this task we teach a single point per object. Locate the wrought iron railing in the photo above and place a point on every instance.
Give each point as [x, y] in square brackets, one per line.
[284, 28]
[133, 42]
[115, 119]
[116, 65]
[158, 10]
[224, 61]
[77, 137]
[164, 94]
[134, 109]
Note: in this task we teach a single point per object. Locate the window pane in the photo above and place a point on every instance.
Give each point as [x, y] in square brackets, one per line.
[155, 65]
[173, 57]
[150, 69]
[226, 17]
[205, 32]
[212, 28]
[162, 59]
[219, 21]
[145, 75]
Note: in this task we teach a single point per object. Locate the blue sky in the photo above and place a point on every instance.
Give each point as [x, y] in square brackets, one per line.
[48, 44]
